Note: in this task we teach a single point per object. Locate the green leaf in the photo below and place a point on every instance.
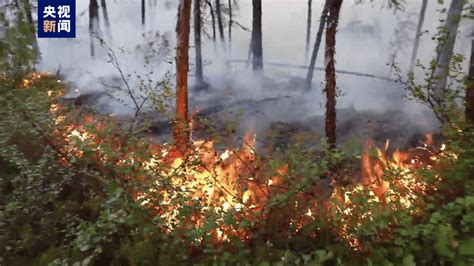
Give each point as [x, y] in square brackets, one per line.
[466, 247]
[445, 238]
[409, 260]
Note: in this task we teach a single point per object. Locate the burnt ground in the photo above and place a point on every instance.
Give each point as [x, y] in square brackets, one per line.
[279, 118]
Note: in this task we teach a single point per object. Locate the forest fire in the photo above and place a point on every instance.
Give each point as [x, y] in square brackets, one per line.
[206, 182]
[129, 147]
[403, 191]
[231, 182]
[28, 80]
[402, 164]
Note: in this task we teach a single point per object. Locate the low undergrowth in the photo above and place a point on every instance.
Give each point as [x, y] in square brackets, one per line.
[79, 188]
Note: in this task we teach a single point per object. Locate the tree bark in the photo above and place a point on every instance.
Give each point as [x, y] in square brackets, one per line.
[219, 21]
[105, 14]
[181, 131]
[317, 44]
[197, 42]
[213, 18]
[230, 24]
[470, 89]
[418, 35]
[445, 48]
[143, 12]
[257, 46]
[308, 29]
[249, 53]
[93, 24]
[333, 20]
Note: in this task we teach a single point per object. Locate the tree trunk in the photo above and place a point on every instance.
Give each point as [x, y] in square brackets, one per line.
[308, 29]
[197, 42]
[181, 132]
[213, 18]
[143, 12]
[105, 14]
[219, 21]
[249, 53]
[446, 47]
[257, 46]
[317, 44]
[333, 20]
[230, 24]
[418, 35]
[470, 89]
[93, 23]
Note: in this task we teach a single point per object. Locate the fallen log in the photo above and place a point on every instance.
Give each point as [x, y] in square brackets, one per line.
[359, 74]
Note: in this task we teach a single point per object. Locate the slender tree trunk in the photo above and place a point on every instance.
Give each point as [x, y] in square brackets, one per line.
[317, 44]
[331, 88]
[445, 48]
[197, 42]
[257, 46]
[93, 24]
[249, 53]
[230, 24]
[418, 35]
[470, 89]
[143, 12]
[213, 20]
[105, 14]
[181, 132]
[308, 29]
[219, 21]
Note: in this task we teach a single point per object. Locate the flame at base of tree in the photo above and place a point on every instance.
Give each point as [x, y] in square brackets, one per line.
[217, 196]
